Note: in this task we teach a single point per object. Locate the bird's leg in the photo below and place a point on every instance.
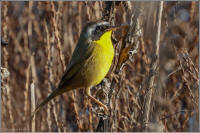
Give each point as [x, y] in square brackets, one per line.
[87, 91]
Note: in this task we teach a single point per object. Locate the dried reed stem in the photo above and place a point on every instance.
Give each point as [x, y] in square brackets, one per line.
[10, 107]
[49, 120]
[32, 65]
[154, 65]
[48, 69]
[76, 110]
[56, 118]
[33, 68]
[33, 105]
[57, 35]
[26, 93]
[27, 84]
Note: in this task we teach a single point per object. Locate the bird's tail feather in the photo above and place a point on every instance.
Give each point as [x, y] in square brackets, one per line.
[55, 93]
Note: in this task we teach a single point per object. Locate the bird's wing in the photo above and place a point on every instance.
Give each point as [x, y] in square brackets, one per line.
[81, 53]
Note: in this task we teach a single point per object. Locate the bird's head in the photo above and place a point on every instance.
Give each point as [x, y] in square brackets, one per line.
[94, 30]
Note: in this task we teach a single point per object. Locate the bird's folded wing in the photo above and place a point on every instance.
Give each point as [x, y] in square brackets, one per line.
[79, 57]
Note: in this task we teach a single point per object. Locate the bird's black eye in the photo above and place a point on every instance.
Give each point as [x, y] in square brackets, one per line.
[98, 28]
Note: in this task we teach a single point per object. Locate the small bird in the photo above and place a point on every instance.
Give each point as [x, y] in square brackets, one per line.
[90, 62]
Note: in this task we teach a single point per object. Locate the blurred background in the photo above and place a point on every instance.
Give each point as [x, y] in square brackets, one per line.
[41, 37]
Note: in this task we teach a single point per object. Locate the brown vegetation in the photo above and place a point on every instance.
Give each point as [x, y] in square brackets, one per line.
[152, 86]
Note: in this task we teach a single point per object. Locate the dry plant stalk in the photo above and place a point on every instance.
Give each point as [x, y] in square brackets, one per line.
[48, 69]
[33, 105]
[26, 94]
[57, 36]
[154, 65]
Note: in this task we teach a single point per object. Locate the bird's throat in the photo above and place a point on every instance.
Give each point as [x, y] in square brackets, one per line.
[105, 40]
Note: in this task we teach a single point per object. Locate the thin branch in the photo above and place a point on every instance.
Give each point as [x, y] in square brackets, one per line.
[33, 105]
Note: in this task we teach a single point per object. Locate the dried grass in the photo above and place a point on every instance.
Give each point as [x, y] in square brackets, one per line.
[41, 38]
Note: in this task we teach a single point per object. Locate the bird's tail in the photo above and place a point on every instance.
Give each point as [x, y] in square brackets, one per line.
[55, 93]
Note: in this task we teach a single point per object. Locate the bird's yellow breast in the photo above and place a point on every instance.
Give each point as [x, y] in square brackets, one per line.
[101, 59]
[105, 43]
